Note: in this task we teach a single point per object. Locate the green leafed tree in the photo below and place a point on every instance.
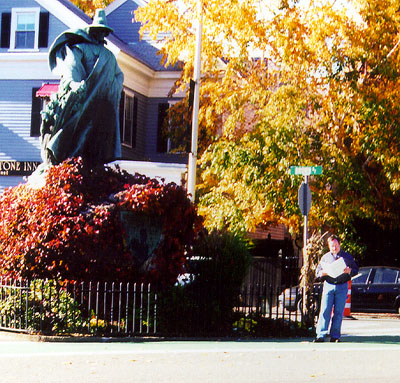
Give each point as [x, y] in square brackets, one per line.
[292, 83]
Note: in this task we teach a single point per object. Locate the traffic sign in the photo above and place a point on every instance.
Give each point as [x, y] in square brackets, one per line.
[304, 197]
[305, 170]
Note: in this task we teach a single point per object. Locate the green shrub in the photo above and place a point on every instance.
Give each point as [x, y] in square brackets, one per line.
[205, 304]
[220, 266]
[221, 258]
[42, 306]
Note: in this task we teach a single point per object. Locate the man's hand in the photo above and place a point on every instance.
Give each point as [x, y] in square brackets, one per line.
[347, 270]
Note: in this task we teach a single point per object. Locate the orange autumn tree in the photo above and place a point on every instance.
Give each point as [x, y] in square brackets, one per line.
[89, 6]
[291, 83]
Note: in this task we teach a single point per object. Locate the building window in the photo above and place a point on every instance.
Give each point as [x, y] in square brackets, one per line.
[24, 29]
[128, 119]
[171, 134]
[162, 128]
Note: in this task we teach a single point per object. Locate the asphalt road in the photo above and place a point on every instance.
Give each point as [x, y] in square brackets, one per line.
[369, 352]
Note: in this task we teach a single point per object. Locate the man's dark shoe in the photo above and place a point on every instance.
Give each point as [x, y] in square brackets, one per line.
[335, 340]
[319, 340]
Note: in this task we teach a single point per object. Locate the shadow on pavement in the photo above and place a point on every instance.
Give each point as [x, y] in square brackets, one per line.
[381, 339]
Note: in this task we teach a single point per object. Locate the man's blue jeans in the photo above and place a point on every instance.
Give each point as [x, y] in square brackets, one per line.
[333, 296]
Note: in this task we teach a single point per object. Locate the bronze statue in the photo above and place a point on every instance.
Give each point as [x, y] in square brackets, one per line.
[82, 119]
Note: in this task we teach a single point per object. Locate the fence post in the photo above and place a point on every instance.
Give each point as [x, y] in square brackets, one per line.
[127, 309]
[134, 309]
[89, 313]
[27, 285]
[73, 308]
[112, 308]
[141, 309]
[148, 308]
[155, 314]
[119, 306]
[105, 302]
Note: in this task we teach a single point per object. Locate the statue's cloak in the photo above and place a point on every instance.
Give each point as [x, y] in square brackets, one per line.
[83, 118]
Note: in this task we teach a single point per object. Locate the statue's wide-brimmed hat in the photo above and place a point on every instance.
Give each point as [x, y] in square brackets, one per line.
[100, 21]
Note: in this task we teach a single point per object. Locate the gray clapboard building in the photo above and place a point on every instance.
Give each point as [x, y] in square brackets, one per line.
[28, 28]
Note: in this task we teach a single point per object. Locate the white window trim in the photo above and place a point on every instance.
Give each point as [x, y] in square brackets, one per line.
[14, 13]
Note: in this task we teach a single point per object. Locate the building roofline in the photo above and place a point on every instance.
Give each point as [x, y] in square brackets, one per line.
[67, 12]
[117, 3]
[73, 17]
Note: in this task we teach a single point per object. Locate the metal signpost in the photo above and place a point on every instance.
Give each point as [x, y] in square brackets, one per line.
[304, 198]
[304, 194]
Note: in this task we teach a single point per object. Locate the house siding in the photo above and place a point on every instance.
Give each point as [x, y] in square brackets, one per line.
[21, 72]
[9, 182]
[5, 6]
[55, 25]
[15, 121]
[139, 152]
[121, 22]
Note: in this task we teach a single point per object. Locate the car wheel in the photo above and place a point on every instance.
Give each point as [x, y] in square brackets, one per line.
[300, 306]
[314, 306]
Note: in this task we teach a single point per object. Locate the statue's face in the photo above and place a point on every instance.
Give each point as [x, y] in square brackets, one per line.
[98, 34]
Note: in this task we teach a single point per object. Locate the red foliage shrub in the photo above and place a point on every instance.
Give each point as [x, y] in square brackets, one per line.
[71, 228]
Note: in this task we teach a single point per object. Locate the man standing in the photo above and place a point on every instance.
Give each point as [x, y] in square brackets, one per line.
[334, 293]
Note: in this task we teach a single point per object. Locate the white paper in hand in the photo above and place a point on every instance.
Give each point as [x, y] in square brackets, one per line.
[334, 269]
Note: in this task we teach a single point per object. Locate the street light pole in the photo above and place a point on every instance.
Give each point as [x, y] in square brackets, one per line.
[305, 237]
[195, 117]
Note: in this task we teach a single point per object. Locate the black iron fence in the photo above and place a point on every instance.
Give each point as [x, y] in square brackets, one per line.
[52, 307]
[126, 309]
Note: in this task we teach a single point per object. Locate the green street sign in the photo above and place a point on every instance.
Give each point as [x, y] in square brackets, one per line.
[305, 170]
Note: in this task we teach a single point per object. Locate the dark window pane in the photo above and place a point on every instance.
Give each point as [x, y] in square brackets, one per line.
[134, 121]
[128, 121]
[385, 276]
[162, 128]
[362, 277]
[35, 115]
[5, 30]
[25, 40]
[122, 115]
[44, 30]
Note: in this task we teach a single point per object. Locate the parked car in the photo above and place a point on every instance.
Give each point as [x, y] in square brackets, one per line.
[292, 298]
[373, 289]
[376, 288]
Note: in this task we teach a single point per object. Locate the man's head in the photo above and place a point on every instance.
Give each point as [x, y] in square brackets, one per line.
[334, 244]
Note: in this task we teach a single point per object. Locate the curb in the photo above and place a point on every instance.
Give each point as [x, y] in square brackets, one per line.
[27, 337]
